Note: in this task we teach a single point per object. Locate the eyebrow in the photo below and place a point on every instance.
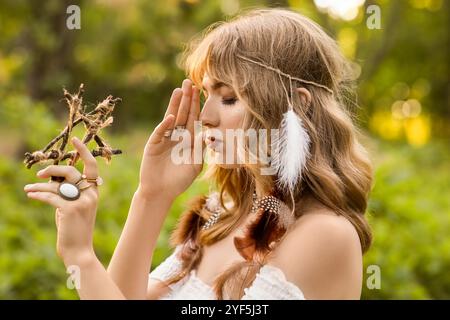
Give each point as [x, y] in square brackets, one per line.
[215, 86]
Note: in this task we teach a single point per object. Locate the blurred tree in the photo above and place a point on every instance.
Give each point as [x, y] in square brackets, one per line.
[133, 49]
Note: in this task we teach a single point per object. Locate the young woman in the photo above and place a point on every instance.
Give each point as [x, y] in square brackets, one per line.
[298, 232]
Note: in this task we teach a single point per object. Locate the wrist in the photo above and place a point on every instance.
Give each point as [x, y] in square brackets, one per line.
[80, 258]
[154, 195]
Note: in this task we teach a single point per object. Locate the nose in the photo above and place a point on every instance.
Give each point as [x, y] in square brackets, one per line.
[209, 116]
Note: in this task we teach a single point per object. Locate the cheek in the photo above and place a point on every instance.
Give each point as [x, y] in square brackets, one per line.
[233, 117]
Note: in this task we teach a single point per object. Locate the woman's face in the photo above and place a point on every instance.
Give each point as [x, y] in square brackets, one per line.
[222, 115]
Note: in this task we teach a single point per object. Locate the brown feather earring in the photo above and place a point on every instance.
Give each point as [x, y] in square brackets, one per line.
[273, 218]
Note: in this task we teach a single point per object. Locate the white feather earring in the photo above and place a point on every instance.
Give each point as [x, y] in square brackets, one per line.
[290, 149]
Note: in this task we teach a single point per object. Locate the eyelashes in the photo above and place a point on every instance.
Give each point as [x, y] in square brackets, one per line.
[225, 101]
[229, 102]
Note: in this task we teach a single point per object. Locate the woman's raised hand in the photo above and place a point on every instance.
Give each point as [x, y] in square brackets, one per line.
[162, 174]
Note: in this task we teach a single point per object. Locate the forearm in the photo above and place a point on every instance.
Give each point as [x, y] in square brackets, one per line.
[131, 261]
[92, 279]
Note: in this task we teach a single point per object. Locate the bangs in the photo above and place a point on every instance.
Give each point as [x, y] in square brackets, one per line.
[214, 55]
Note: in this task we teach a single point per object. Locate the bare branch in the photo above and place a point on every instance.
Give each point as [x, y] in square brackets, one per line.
[93, 121]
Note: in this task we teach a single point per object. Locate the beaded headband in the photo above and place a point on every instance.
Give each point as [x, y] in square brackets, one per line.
[286, 75]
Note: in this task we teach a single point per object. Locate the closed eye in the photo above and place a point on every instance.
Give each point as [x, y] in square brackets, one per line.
[229, 101]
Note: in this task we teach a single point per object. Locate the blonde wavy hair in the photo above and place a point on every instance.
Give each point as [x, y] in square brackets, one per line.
[338, 172]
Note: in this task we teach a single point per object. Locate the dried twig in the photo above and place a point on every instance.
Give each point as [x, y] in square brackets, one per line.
[93, 121]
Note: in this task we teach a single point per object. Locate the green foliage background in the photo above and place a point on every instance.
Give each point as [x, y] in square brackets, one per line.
[132, 49]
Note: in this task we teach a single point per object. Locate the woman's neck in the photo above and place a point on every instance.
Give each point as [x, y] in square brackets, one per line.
[309, 204]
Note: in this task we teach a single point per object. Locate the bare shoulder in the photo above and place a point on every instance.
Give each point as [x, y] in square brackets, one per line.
[329, 226]
[322, 255]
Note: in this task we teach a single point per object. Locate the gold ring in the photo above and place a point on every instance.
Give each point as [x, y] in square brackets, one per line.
[82, 177]
[85, 185]
[97, 181]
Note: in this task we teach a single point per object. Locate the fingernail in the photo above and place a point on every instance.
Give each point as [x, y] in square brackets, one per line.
[75, 139]
[40, 172]
[27, 187]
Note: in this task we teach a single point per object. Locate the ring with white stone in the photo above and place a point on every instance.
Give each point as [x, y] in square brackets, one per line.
[69, 191]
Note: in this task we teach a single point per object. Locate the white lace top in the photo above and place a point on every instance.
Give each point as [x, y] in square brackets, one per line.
[269, 284]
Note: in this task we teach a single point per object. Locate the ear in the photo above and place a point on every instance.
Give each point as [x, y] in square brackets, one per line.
[305, 96]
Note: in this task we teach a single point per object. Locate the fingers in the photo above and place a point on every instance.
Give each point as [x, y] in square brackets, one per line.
[158, 133]
[185, 104]
[174, 103]
[183, 109]
[47, 197]
[68, 172]
[44, 187]
[194, 109]
[90, 164]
